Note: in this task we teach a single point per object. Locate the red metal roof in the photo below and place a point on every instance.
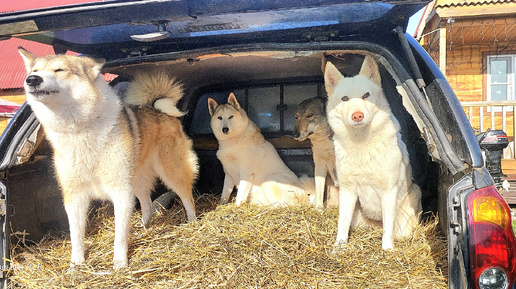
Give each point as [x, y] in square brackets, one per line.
[10, 6]
[12, 69]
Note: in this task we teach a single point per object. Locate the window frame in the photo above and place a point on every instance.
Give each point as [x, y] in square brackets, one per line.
[511, 81]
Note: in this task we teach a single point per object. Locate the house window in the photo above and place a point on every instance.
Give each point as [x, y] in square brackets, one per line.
[501, 77]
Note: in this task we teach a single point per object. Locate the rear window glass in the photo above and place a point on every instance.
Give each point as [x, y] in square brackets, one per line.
[271, 107]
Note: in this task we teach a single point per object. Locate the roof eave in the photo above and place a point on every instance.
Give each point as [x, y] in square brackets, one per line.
[491, 9]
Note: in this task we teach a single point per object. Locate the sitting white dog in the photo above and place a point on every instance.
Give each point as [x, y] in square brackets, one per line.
[251, 163]
[372, 161]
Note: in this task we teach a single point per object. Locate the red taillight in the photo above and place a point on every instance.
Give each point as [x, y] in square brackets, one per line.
[492, 243]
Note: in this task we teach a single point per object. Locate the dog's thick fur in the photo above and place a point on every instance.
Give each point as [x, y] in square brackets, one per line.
[372, 161]
[250, 162]
[312, 123]
[104, 149]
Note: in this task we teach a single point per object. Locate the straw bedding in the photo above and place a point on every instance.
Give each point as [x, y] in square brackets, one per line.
[236, 247]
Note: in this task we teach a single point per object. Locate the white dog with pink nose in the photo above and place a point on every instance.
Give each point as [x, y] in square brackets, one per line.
[371, 159]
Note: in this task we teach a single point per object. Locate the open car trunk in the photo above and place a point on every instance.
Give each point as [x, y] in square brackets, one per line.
[271, 54]
[270, 81]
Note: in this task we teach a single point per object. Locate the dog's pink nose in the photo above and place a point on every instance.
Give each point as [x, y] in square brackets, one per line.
[357, 116]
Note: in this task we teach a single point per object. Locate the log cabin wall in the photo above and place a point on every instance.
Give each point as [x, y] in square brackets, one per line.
[460, 36]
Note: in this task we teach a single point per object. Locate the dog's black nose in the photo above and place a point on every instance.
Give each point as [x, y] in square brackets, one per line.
[225, 130]
[34, 80]
[296, 134]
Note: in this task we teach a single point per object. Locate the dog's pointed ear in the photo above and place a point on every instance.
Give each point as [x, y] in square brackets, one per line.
[332, 76]
[99, 63]
[370, 69]
[212, 105]
[233, 101]
[94, 66]
[28, 58]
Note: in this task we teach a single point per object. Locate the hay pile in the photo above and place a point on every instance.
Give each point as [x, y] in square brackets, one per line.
[236, 247]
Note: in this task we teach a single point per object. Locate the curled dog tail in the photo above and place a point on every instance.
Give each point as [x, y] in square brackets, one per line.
[157, 89]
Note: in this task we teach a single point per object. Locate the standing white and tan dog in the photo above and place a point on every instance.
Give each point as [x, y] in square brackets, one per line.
[104, 149]
[372, 161]
[312, 123]
[250, 162]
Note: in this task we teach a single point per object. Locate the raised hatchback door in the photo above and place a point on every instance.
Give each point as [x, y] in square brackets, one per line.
[117, 29]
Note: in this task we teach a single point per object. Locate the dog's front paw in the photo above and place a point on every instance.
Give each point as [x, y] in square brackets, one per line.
[75, 265]
[146, 218]
[77, 261]
[339, 248]
[311, 199]
[388, 244]
[119, 264]
[388, 248]
[238, 202]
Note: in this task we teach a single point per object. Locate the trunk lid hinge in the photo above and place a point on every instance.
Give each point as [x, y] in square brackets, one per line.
[414, 68]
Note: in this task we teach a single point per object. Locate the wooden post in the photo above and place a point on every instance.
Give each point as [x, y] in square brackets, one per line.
[442, 49]
[504, 118]
[513, 147]
[481, 119]
[493, 117]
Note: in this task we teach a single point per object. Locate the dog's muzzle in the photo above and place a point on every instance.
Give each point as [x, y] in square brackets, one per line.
[225, 130]
[34, 80]
[297, 135]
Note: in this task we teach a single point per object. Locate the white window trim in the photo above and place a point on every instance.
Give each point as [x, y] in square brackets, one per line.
[511, 93]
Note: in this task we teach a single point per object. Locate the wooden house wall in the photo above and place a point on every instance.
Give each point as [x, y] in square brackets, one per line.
[466, 63]
[465, 71]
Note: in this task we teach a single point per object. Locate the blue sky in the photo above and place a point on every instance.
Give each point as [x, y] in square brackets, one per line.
[413, 21]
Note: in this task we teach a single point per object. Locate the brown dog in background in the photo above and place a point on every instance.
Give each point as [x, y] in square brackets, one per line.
[312, 123]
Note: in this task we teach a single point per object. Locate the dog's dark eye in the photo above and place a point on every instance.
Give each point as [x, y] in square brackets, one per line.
[220, 117]
[296, 116]
[230, 117]
[345, 98]
[34, 70]
[310, 115]
[366, 95]
[59, 70]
